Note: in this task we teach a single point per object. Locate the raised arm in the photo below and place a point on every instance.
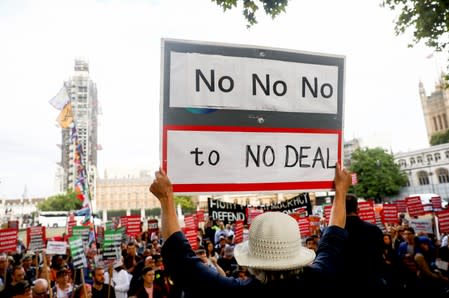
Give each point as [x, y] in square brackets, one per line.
[163, 190]
[342, 182]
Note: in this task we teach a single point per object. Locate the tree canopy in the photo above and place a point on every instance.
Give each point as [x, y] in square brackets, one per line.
[439, 138]
[429, 21]
[377, 174]
[61, 202]
[250, 7]
[186, 203]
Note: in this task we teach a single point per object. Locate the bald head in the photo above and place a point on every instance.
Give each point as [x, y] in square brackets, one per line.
[40, 286]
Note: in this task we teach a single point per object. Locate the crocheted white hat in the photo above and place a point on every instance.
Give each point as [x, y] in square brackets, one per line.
[274, 244]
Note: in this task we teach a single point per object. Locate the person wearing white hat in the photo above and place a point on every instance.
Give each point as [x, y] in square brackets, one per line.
[273, 253]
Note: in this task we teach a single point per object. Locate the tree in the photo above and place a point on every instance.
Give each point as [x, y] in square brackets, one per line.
[429, 19]
[377, 174]
[61, 202]
[439, 138]
[186, 203]
[271, 8]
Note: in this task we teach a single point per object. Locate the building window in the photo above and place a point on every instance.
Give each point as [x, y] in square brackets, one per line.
[443, 175]
[402, 163]
[419, 159]
[423, 178]
[435, 127]
[429, 157]
[445, 121]
[437, 156]
[412, 161]
[440, 122]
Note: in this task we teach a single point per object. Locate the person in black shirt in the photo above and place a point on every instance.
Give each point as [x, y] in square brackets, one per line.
[99, 290]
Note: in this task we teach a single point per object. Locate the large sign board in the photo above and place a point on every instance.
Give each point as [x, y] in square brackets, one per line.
[242, 119]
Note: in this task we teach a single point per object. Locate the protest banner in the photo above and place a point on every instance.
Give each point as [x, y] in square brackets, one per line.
[8, 240]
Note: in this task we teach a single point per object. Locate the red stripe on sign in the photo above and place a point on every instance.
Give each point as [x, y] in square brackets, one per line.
[252, 186]
[249, 129]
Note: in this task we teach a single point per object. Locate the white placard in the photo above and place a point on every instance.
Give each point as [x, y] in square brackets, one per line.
[56, 248]
[242, 83]
[250, 157]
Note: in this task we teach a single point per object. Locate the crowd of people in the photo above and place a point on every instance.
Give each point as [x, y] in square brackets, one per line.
[274, 260]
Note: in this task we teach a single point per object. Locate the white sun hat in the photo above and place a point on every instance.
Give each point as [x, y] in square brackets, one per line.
[274, 243]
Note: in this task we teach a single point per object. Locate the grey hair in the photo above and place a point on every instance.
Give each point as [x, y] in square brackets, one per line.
[41, 282]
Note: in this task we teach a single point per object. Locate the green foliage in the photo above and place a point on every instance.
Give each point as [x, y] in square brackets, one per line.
[439, 138]
[427, 19]
[186, 203]
[378, 176]
[271, 8]
[61, 202]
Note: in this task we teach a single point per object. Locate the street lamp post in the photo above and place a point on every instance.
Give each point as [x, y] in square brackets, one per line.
[379, 199]
[430, 177]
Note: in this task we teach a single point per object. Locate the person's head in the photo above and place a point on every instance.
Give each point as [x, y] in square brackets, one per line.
[201, 253]
[228, 252]
[409, 234]
[209, 247]
[149, 261]
[98, 276]
[274, 247]
[26, 261]
[43, 272]
[62, 276]
[311, 243]
[131, 248]
[352, 206]
[22, 289]
[424, 243]
[222, 241]
[147, 252]
[18, 273]
[242, 273]
[157, 260]
[148, 275]
[387, 240]
[40, 288]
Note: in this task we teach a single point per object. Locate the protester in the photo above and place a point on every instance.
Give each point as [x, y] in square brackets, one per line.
[364, 254]
[40, 288]
[99, 289]
[274, 253]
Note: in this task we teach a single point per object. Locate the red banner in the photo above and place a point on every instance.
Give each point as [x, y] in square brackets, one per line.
[190, 221]
[153, 227]
[252, 213]
[200, 215]
[443, 221]
[191, 235]
[8, 240]
[436, 203]
[314, 221]
[389, 213]
[327, 212]
[414, 206]
[303, 224]
[402, 206]
[132, 223]
[238, 231]
[36, 238]
[366, 212]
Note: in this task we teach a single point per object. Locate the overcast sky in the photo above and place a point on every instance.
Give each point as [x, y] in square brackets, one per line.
[122, 40]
